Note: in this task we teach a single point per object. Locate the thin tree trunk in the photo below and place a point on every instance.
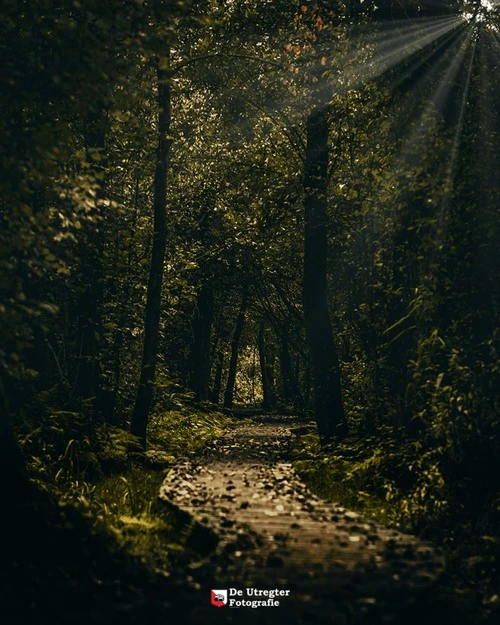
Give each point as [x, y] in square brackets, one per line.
[144, 399]
[200, 350]
[329, 410]
[300, 386]
[288, 381]
[200, 353]
[268, 399]
[235, 343]
[88, 325]
[216, 389]
[307, 386]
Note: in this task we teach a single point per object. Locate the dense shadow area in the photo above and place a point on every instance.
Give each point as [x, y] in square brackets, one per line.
[56, 569]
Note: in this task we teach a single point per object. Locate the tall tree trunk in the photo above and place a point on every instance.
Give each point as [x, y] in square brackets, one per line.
[90, 299]
[307, 386]
[287, 377]
[266, 373]
[144, 399]
[110, 397]
[217, 386]
[235, 343]
[201, 353]
[300, 400]
[329, 409]
[200, 350]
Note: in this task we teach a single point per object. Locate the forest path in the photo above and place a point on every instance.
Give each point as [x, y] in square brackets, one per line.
[267, 531]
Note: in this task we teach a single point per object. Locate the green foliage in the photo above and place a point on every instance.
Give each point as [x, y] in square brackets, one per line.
[348, 475]
[459, 421]
[390, 479]
[186, 429]
[126, 506]
[112, 445]
[58, 447]
[93, 471]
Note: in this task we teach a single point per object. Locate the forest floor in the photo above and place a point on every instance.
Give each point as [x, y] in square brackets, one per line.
[232, 514]
[264, 529]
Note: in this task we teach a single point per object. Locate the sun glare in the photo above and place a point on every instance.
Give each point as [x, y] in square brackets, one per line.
[480, 11]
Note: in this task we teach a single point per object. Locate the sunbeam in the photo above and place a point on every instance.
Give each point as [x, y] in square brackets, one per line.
[440, 66]
[449, 182]
[422, 59]
[439, 82]
[376, 51]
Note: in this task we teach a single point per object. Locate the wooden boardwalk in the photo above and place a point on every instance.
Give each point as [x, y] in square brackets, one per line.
[263, 529]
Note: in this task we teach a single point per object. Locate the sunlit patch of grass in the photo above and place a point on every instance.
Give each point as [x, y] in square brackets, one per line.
[127, 505]
[186, 429]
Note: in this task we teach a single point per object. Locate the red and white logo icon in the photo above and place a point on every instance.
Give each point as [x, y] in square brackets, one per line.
[218, 598]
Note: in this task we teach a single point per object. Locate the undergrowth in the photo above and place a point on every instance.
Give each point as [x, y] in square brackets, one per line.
[346, 474]
[93, 472]
[397, 483]
[185, 429]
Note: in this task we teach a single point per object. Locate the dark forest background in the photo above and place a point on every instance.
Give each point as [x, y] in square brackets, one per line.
[216, 204]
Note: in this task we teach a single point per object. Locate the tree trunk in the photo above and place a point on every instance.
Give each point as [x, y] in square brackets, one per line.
[217, 386]
[200, 350]
[301, 392]
[144, 399]
[287, 377]
[307, 386]
[266, 373]
[109, 397]
[200, 353]
[235, 343]
[328, 405]
[87, 380]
